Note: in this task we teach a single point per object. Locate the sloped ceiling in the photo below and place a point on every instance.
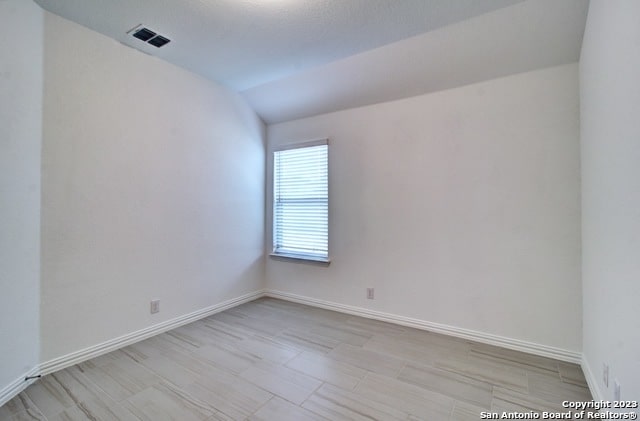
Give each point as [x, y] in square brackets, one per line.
[295, 58]
[524, 37]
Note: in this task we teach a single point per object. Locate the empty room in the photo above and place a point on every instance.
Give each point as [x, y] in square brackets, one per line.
[319, 209]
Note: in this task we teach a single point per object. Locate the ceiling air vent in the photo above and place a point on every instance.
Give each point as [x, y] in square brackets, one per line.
[159, 41]
[144, 34]
[148, 36]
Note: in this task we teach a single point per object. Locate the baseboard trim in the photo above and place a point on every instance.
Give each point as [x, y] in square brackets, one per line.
[17, 386]
[592, 381]
[486, 338]
[128, 339]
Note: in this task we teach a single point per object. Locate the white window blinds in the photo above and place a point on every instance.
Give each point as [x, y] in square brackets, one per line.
[301, 202]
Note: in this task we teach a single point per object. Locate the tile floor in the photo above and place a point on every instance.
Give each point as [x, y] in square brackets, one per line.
[276, 360]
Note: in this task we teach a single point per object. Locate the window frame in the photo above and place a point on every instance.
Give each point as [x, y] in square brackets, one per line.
[298, 257]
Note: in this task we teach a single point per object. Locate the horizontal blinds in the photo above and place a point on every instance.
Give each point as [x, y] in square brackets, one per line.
[301, 201]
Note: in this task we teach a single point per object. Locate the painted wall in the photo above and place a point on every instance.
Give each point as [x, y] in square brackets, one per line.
[153, 188]
[21, 46]
[460, 207]
[610, 147]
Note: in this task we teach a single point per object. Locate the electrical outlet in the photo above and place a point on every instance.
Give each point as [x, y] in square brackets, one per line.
[155, 306]
[616, 390]
[370, 293]
[605, 374]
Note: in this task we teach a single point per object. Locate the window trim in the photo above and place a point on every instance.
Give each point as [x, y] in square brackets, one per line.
[294, 257]
[300, 145]
[301, 258]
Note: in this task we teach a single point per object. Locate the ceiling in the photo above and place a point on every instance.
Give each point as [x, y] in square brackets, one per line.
[295, 58]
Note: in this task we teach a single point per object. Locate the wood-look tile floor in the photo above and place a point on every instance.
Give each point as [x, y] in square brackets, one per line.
[276, 360]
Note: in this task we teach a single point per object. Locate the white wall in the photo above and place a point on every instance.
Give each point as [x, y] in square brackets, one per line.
[153, 187]
[21, 45]
[610, 145]
[460, 207]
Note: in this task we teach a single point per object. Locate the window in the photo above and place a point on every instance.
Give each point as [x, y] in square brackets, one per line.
[301, 202]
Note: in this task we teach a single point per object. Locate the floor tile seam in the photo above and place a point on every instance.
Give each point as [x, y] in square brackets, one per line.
[323, 381]
[533, 400]
[67, 391]
[425, 389]
[355, 386]
[310, 395]
[482, 379]
[100, 387]
[206, 388]
[284, 363]
[26, 392]
[404, 365]
[529, 369]
[457, 373]
[453, 408]
[190, 371]
[82, 401]
[25, 408]
[26, 411]
[336, 403]
[183, 395]
[273, 394]
[524, 365]
[440, 392]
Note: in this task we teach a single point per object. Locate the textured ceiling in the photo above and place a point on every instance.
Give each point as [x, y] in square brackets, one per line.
[245, 43]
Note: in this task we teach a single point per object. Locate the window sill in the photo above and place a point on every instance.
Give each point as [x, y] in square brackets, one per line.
[301, 258]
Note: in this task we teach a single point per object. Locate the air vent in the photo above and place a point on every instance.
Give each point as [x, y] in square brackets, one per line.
[148, 36]
[159, 41]
[144, 34]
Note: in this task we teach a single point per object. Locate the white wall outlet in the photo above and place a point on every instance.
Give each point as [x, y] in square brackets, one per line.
[155, 306]
[605, 374]
[616, 390]
[370, 293]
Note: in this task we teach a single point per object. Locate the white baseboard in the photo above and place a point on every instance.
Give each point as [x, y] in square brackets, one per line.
[17, 386]
[592, 381]
[130, 338]
[487, 338]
